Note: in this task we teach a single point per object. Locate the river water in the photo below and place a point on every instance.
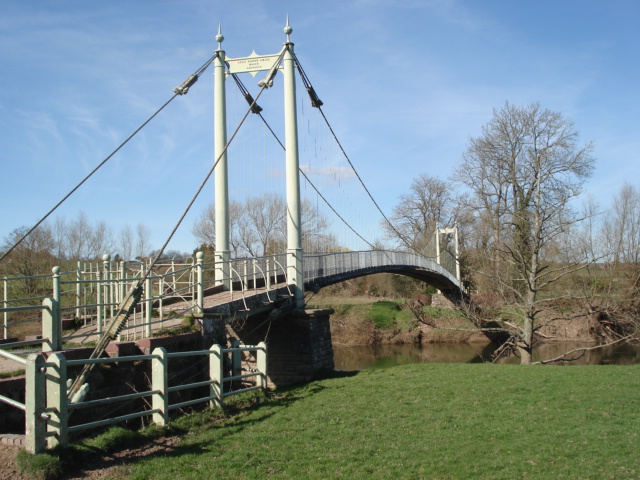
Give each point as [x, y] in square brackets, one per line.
[382, 356]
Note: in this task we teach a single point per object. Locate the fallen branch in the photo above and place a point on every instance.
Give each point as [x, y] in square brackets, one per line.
[583, 351]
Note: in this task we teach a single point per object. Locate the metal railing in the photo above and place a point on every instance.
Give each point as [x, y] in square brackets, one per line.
[330, 264]
[91, 294]
[47, 406]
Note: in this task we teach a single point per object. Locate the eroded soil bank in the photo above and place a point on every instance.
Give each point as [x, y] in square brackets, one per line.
[355, 322]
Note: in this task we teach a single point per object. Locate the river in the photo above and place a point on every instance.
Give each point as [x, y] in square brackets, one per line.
[382, 356]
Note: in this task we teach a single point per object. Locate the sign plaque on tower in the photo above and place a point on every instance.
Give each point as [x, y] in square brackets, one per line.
[252, 64]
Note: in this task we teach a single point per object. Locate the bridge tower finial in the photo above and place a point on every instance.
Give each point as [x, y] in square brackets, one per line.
[288, 30]
[219, 38]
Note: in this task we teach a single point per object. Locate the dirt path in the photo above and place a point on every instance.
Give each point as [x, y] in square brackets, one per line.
[93, 467]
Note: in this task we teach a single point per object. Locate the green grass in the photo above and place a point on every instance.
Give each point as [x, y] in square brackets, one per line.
[445, 421]
[426, 421]
[11, 374]
[387, 314]
[42, 466]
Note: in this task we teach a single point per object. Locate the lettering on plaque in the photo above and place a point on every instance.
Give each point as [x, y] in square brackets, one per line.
[252, 64]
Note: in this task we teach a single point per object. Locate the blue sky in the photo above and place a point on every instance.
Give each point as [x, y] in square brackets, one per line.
[405, 84]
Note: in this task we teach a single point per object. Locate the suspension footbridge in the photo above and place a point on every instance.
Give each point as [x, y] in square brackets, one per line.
[114, 300]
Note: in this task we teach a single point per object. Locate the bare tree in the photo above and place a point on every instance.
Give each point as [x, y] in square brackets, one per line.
[316, 234]
[205, 227]
[143, 240]
[101, 241]
[263, 225]
[59, 233]
[621, 236]
[522, 174]
[126, 242]
[428, 203]
[258, 227]
[78, 237]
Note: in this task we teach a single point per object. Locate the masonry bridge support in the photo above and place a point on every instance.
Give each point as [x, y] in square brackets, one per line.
[299, 340]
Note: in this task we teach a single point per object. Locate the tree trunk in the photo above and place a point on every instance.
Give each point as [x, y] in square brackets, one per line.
[525, 346]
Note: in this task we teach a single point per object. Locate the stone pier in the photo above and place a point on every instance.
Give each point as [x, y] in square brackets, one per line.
[298, 343]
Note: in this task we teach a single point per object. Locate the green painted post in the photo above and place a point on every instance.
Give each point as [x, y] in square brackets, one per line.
[236, 358]
[51, 326]
[160, 383]
[261, 364]
[35, 426]
[216, 375]
[56, 387]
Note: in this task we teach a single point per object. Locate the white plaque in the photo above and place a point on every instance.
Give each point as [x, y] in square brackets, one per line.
[253, 63]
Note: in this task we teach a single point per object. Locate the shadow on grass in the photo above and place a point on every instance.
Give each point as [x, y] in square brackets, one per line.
[119, 446]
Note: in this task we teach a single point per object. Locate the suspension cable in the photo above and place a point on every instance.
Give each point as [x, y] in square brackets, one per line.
[206, 179]
[181, 90]
[258, 111]
[127, 306]
[317, 103]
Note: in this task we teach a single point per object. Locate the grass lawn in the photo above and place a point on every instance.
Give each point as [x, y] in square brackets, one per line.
[440, 421]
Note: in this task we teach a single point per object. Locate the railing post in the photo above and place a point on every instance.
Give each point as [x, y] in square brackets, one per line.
[160, 383]
[121, 284]
[99, 308]
[148, 288]
[56, 380]
[216, 375]
[255, 276]
[261, 364]
[6, 314]
[106, 267]
[438, 244]
[56, 283]
[267, 274]
[236, 358]
[200, 281]
[245, 275]
[51, 325]
[35, 426]
[78, 289]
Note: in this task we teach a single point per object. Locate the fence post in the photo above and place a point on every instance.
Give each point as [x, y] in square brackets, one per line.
[51, 325]
[35, 426]
[216, 375]
[56, 388]
[236, 358]
[160, 383]
[200, 280]
[261, 364]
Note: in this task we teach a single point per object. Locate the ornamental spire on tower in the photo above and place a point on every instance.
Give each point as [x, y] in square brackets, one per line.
[288, 30]
[219, 38]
